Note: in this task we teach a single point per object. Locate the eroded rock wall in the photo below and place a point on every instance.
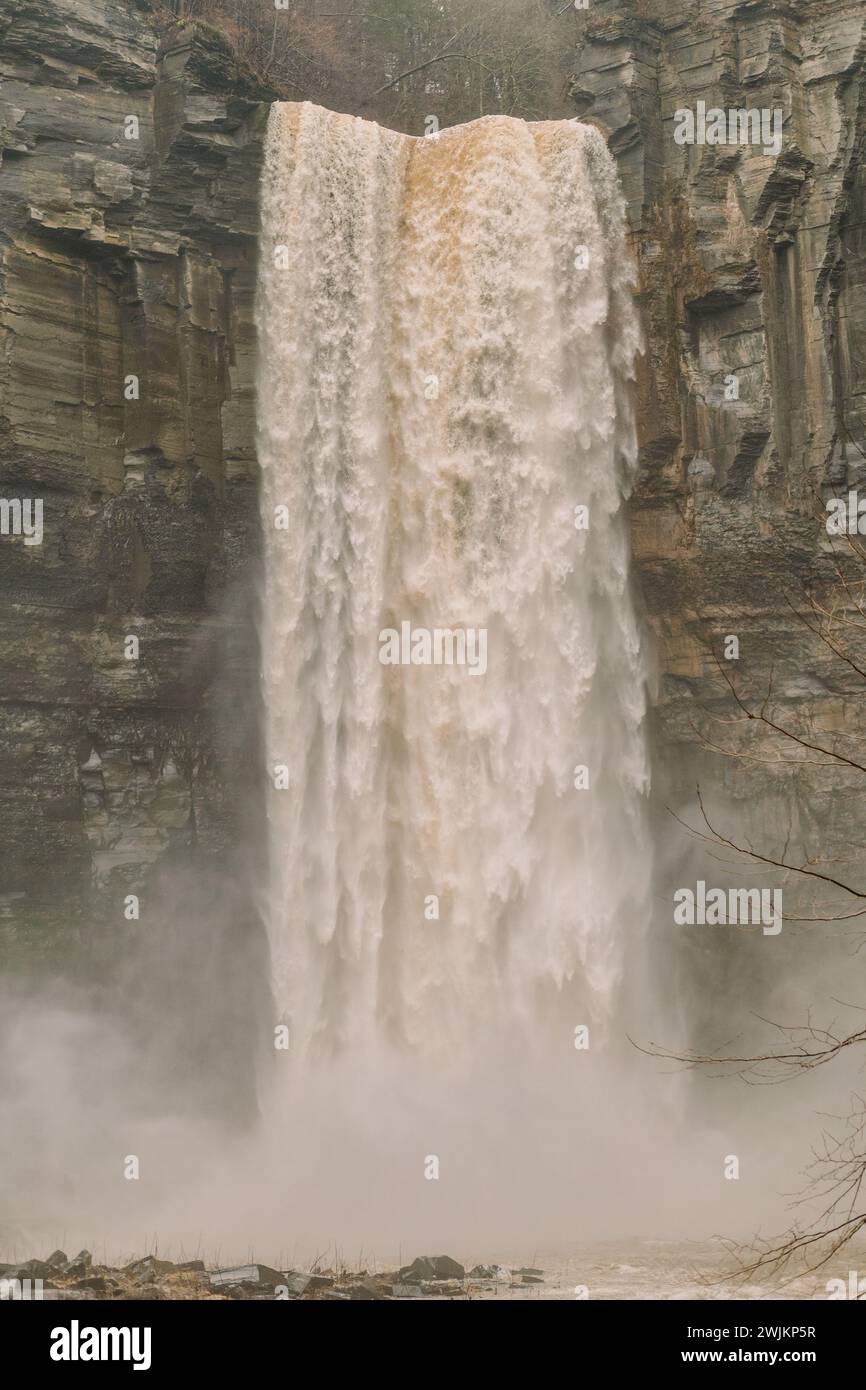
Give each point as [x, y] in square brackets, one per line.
[752, 265]
[128, 228]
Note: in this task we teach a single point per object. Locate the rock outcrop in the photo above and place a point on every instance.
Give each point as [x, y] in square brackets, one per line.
[129, 756]
[752, 410]
[752, 263]
[128, 225]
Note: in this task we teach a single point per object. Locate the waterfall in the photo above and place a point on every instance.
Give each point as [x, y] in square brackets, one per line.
[446, 334]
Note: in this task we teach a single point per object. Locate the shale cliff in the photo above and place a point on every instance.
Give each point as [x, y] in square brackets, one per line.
[128, 225]
[752, 261]
[752, 264]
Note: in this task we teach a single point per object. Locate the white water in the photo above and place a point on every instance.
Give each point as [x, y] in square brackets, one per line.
[448, 503]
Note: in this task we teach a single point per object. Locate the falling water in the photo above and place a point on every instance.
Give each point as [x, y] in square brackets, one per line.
[446, 335]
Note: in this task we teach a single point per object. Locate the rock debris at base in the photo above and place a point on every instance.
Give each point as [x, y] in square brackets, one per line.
[150, 1278]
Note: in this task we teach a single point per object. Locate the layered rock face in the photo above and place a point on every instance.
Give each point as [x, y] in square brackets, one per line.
[752, 267]
[752, 409]
[128, 227]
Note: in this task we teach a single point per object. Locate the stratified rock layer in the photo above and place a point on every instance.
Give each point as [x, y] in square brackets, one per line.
[752, 409]
[128, 232]
[752, 266]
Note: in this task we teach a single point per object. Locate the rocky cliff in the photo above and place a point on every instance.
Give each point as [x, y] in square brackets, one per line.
[752, 268]
[127, 252]
[752, 409]
[128, 745]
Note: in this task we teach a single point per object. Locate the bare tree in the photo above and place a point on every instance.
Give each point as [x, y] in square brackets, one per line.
[756, 727]
[401, 61]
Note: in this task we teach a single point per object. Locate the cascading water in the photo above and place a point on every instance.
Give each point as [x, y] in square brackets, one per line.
[446, 333]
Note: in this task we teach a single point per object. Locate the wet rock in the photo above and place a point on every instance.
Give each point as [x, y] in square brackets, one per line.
[300, 1283]
[406, 1291]
[431, 1267]
[58, 1259]
[257, 1274]
[79, 1264]
[148, 1270]
[33, 1269]
[497, 1274]
[365, 1292]
[97, 1282]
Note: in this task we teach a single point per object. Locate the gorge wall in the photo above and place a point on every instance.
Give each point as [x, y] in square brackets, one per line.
[124, 258]
[129, 224]
[752, 267]
[752, 264]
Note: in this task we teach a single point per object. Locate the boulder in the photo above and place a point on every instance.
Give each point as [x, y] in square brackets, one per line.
[97, 1282]
[365, 1292]
[244, 1274]
[498, 1273]
[299, 1282]
[148, 1270]
[33, 1269]
[431, 1267]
